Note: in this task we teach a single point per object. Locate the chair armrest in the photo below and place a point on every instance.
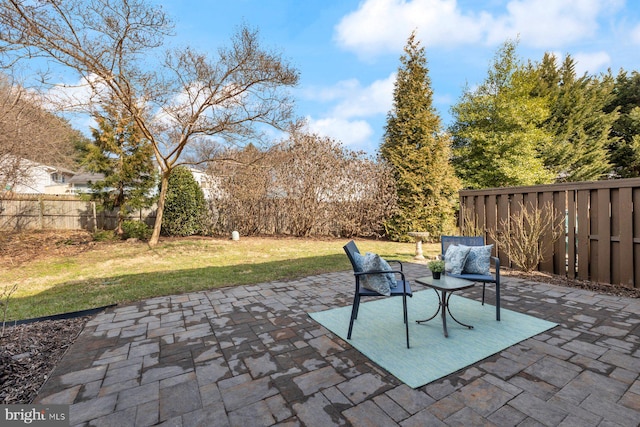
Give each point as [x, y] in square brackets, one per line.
[362, 273]
[496, 261]
[396, 262]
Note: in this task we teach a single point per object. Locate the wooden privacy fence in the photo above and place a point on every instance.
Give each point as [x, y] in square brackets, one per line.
[601, 241]
[28, 212]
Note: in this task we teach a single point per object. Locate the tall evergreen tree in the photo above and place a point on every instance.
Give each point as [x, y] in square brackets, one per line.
[624, 150]
[125, 157]
[418, 152]
[580, 127]
[498, 129]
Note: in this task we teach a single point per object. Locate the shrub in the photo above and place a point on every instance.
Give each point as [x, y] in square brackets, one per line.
[185, 209]
[104, 235]
[524, 230]
[305, 185]
[136, 230]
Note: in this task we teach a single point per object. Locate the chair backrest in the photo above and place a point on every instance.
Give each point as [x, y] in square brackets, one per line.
[446, 241]
[351, 249]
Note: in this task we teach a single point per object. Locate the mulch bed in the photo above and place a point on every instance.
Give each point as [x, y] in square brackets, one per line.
[602, 288]
[28, 354]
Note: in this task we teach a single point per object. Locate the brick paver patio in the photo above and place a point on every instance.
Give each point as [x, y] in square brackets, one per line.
[251, 356]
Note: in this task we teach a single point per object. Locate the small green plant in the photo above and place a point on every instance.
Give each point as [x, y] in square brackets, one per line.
[104, 235]
[136, 230]
[436, 265]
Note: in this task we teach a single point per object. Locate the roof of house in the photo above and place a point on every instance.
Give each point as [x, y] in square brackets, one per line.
[85, 178]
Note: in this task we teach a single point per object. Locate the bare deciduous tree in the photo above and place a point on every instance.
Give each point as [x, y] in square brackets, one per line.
[28, 134]
[179, 102]
[303, 186]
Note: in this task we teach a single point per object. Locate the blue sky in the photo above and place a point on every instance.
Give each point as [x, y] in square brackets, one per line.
[347, 51]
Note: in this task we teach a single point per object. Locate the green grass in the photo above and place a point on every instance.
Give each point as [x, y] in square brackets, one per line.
[124, 272]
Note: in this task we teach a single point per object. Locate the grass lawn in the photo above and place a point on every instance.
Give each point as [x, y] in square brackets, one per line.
[124, 272]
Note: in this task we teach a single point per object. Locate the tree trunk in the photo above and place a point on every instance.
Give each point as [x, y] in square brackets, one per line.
[119, 230]
[164, 185]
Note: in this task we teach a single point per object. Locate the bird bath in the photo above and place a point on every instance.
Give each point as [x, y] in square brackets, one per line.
[419, 236]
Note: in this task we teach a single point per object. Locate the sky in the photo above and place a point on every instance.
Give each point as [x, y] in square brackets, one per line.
[348, 51]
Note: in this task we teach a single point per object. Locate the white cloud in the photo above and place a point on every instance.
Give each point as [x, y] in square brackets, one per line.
[351, 99]
[354, 134]
[367, 101]
[591, 63]
[351, 106]
[547, 23]
[76, 97]
[635, 35]
[382, 26]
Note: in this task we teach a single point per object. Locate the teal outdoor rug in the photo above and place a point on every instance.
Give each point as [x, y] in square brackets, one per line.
[379, 334]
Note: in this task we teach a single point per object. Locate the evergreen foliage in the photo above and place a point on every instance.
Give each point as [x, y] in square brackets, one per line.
[186, 210]
[125, 157]
[625, 147]
[418, 151]
[498, 132]
[579, 125]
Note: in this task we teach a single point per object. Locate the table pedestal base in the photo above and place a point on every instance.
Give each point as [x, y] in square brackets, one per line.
[443, 309]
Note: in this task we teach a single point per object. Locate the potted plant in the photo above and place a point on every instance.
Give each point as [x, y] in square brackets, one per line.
[437, 267]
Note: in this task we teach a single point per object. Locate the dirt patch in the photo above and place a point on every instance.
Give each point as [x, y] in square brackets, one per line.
[17, 248]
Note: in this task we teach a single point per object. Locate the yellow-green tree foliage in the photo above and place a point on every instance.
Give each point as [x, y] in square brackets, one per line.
[419, 152]
[498, 131]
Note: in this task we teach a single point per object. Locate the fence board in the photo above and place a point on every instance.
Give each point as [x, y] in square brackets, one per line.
[559, 203]
[571, 241]
[480, 214]
[625, 230]
[546, 245]
[584, 233]
[503, 214]
[602, 234]
[491, 221]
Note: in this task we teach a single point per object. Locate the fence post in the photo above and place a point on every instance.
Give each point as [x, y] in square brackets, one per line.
[95, 217]
[41, 212]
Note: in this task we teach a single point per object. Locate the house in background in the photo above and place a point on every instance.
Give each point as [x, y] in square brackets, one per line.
[37, 178]
[206, 182]
[33, 178]
[81, 182]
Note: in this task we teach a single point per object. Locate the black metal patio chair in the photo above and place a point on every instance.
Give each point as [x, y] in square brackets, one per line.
[402, 289]
[446, 241]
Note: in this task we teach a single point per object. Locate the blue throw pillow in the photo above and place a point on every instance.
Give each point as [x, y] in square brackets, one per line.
[455, 258]
[380, 283]
[478, 260]
[358, 262]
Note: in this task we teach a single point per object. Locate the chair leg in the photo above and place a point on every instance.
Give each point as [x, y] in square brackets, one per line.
[498, 301]
[354, 314]
[484, 285]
